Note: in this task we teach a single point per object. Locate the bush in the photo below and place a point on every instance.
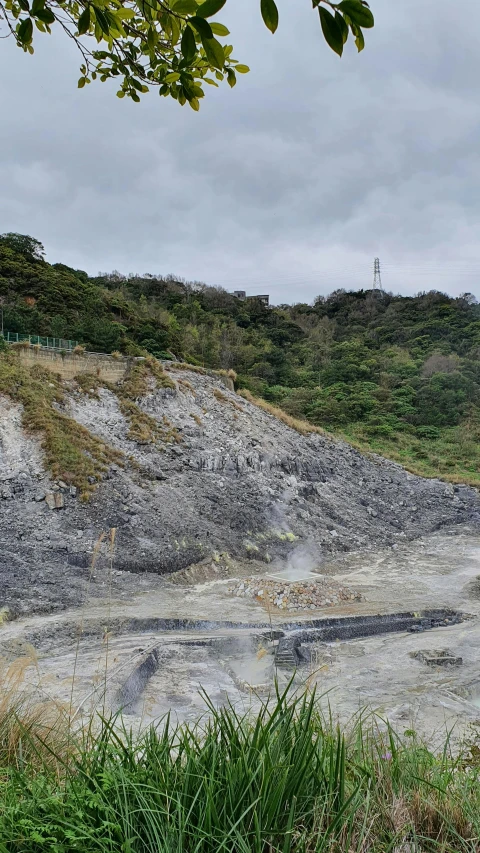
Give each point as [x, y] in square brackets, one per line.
[281, 780]
[429, 432]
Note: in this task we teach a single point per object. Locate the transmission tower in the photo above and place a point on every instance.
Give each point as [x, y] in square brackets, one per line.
[377, 278]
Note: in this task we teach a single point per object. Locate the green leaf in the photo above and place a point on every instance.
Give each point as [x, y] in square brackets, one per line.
[24, 5]
[202, 27]
[342, 25]
[37, 6]
[195, 104]
[46, 16]
[231, 77]
[152, 39]
[359, 41]
[219, 30]
[135, 97]
[175, 30]
[210, 81]
[25, 31]
[172, 78]
[84, 21]
[102, 20]
[81, 82]
[187, 88]
[331, 31]
[188, 45]
[359, 13]
[210, 7]
[214, 52]
[185, 7]
[269, 14]
[242, 69]
[164, 90]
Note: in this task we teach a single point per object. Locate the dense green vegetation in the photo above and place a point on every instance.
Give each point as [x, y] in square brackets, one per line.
[398, 375]
[281, 780]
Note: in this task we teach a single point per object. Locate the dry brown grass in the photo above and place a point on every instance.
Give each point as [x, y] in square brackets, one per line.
[184, 365]
[222, 398]
[18, 345]
[140, 376]
[72, 453]
[184, 383]
[143, 428]
[196, 368]
[197, 420]
[303, 427]
[230, 374]
[89, 383]
[34, 729]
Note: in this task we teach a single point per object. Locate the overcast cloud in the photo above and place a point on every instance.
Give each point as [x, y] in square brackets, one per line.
[289, 184]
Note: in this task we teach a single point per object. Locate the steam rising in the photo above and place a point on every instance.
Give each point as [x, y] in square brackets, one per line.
[304, 559]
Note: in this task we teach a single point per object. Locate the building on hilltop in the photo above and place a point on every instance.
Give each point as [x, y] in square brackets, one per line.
[264, 298]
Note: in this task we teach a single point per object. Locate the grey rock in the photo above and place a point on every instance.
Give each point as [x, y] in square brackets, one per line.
[240, 479]
[55, 500]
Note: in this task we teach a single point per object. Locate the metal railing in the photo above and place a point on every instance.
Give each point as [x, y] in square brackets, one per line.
[37, 340]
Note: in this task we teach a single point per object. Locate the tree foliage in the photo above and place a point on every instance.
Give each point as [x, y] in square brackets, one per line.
[24, 245]
[399, 374]
[173, 45]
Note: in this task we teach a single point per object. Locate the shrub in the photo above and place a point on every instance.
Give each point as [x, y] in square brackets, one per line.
[281, 780]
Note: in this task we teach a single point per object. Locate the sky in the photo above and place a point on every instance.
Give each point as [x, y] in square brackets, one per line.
[289, 184]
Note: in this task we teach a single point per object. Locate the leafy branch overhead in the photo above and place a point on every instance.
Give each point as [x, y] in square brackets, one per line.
[171, 44]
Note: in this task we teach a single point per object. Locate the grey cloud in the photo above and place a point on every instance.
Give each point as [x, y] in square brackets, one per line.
[291, 182]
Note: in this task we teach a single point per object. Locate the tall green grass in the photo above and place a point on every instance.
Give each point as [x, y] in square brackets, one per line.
[282, 780]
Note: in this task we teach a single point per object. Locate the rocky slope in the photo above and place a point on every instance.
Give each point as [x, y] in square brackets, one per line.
[237, 480]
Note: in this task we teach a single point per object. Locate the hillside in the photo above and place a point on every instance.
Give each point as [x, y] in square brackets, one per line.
[398, 375]
[184, 469]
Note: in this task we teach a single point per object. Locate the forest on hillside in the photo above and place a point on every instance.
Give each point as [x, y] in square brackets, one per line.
[395, 374]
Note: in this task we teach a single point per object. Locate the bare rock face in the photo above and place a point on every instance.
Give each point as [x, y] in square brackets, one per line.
[239, 481]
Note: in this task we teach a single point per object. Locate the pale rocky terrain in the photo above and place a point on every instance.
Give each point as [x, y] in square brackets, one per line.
[240, 482]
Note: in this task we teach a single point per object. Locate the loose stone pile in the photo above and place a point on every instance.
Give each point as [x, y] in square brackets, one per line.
[299, 595]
